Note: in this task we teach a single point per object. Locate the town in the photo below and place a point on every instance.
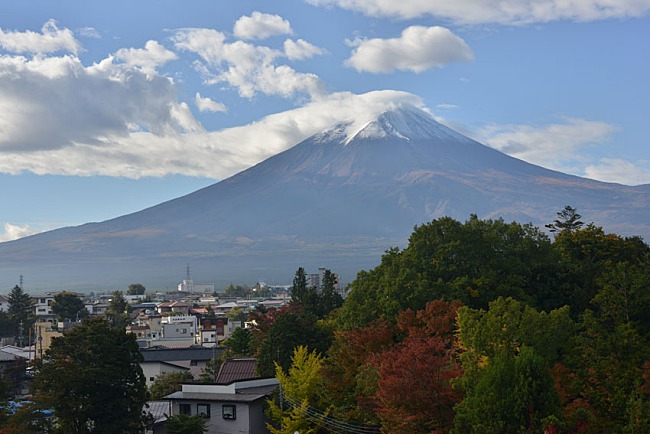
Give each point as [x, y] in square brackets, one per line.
[179, 335]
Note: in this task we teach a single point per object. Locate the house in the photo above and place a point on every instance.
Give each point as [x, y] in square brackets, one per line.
[213, 330]
[152, 322]
[4, 303]
[180, 328]
[97, 308]
[236, 407]
[43, 308]
[158, 410]
[173, 307]
[158, 360]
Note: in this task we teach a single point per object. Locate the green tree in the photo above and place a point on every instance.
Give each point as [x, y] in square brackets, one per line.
[305, 296]
[239, 343]
[211, 369]
[507, 353]
[587, 253]
[299, 287]
[300, 394]
[118, 310]
[67, 306]
[184, 424]
[6, 325]
[236, 314]
[473, 262]
[21, 313]
[610, 363]
[168, 383]
[567, 220]
[136, 289]
[291, 327]
[330, 299]
[91, 378]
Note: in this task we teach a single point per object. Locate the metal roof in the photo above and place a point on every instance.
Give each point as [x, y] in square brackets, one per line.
[237, 369]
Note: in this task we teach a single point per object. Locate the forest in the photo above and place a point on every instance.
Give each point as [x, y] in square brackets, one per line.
[479, 326]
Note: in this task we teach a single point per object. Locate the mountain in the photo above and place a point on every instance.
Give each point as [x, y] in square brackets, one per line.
[339, 199]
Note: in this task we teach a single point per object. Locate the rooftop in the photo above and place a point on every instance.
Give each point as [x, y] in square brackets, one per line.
[237, 369]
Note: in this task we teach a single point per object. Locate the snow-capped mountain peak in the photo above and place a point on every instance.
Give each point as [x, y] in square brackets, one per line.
[405, 123]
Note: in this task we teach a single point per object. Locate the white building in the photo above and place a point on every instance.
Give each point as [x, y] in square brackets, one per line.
[316, 280]
[236, 407]
[43, 308]
[181, 327]
[188, 285]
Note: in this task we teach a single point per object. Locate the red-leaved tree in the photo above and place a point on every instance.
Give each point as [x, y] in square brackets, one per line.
[414, 387]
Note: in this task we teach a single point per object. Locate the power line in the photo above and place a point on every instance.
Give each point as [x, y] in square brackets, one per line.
[326, 421]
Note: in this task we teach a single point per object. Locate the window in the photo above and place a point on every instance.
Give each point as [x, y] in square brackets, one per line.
[229, 411]
[153, 379]
[203, 410]
[185, 409]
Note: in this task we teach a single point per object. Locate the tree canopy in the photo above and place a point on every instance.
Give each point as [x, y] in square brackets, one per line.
[168, 383]
[67, 306]
[91, 378]
[21, 313]
[135, 289]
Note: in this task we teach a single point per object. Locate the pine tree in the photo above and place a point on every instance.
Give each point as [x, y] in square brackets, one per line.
[568, 220]
[21, 313]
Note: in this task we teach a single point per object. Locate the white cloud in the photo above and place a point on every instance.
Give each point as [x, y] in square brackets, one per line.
[13, 232]
[50, 40]
[88, 32]
[206, 104]
[552, 146]
[417, 49]
[620, 171]
[206, 154]
[249, 68]
[148, 58]
[92, 103]
[261, 26]
[496, 11]
[300, 49]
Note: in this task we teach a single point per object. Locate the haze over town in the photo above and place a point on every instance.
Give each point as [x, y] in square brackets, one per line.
[108, 108]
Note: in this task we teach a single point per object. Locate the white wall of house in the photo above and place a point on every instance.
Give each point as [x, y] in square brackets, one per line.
[243, 422]
[152, 369]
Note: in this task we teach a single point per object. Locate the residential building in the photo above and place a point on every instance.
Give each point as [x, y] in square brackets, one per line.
[4, 303]
[236, 407]
[316, 280]
[43, 308]
[173, 307]
[157, 360]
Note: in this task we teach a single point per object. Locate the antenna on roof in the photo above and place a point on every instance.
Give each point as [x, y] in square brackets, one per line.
[187, 277]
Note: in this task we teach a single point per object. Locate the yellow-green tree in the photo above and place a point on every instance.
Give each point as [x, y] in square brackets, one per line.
[297, 406]
[506, 355]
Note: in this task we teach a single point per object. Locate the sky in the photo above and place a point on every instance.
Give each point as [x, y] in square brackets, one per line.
[107, 108]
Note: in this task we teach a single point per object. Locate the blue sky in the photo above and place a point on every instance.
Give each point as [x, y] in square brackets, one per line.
[110, 107]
